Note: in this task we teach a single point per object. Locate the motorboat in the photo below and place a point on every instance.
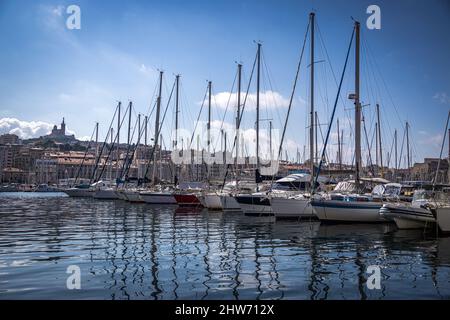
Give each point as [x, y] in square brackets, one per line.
[223, 199]
[295, 203]
[420, 213]
[255, 204]
[260, 203]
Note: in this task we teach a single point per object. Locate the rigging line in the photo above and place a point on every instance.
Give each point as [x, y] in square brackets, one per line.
[248, 89]
[103, 145]
[114, 142]
[390, 153]
[370, 66]
[343, 101]
[442, 149]
[152, 97]
[367, 141]
[383, 81]
[226, 109]
[293, 91]
[152, 154]
[333, 113]
[198, 118]
[401, 150]
[323, 142]
[272, 91]
[167, 107]
[128, 148]
[85, 154]
[134, 149]
[240, 120]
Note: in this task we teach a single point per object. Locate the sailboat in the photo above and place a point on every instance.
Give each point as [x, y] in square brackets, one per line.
[83, 190]
[296, 204]
[159, 194]
[107, 190]
[427, 206]
[350, 205]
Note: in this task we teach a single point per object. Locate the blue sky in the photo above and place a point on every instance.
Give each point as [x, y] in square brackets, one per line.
[49, 72]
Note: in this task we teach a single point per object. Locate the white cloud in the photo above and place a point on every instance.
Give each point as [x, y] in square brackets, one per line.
[57, 11]
[432, 140]
[26, 129]
[146, 70]
[442, 97]
[268, 99]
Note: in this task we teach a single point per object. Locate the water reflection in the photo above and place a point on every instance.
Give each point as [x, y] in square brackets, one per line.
[138, 251]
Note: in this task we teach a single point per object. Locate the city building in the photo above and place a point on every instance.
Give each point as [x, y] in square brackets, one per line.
[60, 134]
[9, 139]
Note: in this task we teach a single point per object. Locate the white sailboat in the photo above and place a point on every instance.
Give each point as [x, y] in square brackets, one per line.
[420, 213]
[295, 202]
[443, 218]
[104, 190]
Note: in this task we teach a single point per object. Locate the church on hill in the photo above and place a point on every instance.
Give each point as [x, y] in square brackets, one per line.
[60, 134]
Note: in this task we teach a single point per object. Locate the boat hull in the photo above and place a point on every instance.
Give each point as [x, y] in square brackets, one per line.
[254, 205]
[187, 200]
[212, 201]
[158, 198]
[407, 217]
[443, 218]
[229, 203]
[133, 196]
[79, 193]
[292, 208]
[105, 194]
[347, 211]
[121, 195]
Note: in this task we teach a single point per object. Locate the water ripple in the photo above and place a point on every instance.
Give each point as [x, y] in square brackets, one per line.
[138, 251]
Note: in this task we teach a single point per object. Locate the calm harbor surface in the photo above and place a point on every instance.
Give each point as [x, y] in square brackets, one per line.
[138, 251]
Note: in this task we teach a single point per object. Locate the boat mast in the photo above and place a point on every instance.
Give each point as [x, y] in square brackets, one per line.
[118, 142]
[225, 148]
[395, 142]
[407, 147]
[175, 144]
[139, 127]
[376, 146]
[96, 140]
[110, 161]
[357, 107]
[311, 127]
[208, 126]
[258, 79]
[316, 127]
[145, 129]
[379, 140]
[339, 146]
[270, 140]
[158, 111]
[130, 106]
[238, 122]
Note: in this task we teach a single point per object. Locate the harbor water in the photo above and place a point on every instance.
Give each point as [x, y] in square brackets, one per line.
[139, 251]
